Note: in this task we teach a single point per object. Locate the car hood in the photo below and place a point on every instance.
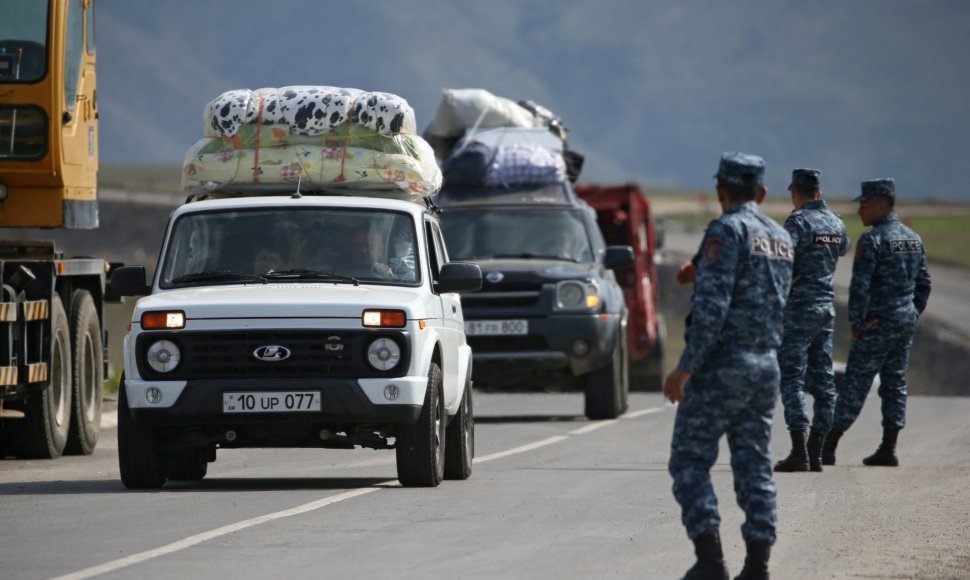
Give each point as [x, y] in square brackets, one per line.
[290, 301]
[534, 271]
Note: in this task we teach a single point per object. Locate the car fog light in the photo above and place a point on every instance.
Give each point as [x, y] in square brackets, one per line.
[153, 395]
[392, 392]
[163, 356]
[580, 347]
[383, 354]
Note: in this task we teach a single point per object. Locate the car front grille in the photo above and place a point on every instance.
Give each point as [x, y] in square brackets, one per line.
[231, 354]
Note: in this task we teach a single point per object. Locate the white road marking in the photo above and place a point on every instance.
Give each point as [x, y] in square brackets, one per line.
[643, 412]
[224, 530]
[592, 427]
[600, 424]
[309, 507]
[522, 449]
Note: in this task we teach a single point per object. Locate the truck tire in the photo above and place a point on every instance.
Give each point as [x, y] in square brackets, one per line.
[420, 447]
[647, 374]
[139, 458]
[88, 376]
[189, 465]
[460, 436]
[607, 387]
[43, 432]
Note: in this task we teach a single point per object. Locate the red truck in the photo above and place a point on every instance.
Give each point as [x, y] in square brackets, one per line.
[624, 217]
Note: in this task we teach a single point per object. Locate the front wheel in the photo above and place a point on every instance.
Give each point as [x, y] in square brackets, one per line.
[88, 377]
[607, 387]
[420, 447]
[43, 432]
[140, 460]
[460, 450]
[189, 465]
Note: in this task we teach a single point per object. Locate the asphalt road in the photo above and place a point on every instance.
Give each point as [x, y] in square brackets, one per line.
[552, 496]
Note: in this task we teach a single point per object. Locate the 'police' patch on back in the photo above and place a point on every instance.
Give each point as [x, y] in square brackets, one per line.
[772, 248]
[905, 246]
[827, 239]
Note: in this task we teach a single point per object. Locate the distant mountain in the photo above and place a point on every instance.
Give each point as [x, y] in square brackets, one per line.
[651, 90]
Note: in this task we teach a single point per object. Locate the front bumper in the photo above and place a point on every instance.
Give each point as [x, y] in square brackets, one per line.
[548, 346]
[343, 401]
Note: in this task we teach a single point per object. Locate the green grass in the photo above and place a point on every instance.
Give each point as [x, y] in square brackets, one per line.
[946, 237]
[696, 220]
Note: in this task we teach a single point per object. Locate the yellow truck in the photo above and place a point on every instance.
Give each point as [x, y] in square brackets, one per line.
[52, 347]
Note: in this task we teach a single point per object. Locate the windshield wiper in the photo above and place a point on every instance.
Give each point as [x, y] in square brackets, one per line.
[218, 276]
[533, 256]
[305, 274]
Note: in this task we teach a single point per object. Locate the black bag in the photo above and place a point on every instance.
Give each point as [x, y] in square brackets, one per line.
[574, 164]
[466, 166]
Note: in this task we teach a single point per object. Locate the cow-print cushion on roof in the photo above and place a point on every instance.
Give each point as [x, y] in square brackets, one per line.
[308, 110]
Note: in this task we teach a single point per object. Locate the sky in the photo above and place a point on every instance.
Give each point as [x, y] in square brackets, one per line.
[652, 91]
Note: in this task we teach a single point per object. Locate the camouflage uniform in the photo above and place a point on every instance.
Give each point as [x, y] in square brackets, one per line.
[819, 238]
[890, 288]
[743, 278]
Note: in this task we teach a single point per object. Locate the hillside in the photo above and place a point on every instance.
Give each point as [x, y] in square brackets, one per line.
[651, 90]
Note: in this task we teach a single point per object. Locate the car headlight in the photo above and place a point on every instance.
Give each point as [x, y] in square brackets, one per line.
[572, 295]
[163, 356]
[383, 354]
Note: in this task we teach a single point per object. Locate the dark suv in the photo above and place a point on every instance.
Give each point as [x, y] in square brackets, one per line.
[550, 310]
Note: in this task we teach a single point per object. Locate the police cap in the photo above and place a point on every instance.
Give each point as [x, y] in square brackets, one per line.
[807, 179]
[884, 187]
[741, 169]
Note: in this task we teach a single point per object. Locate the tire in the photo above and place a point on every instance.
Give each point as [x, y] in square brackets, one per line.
[43, 432]
[139, 458]
[648, 374]
[88, 376]
[460, 436]
[607, 387]
[420, 447]
[190, 465]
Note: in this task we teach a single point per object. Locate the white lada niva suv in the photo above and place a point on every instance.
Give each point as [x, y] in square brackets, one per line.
[297, 321]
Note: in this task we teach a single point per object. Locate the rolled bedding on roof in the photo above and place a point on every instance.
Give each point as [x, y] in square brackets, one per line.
[315, 138]
[308, 110]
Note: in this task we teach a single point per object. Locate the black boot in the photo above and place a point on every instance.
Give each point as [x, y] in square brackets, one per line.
[710, 559]
[756, 562]
[828, 449]
[815, 442]
[797, 460]
[886, 454]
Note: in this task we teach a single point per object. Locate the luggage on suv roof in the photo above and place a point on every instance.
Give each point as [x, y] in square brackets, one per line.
[310, 138]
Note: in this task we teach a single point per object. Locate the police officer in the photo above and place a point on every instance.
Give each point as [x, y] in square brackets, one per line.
[889, 289]
[819, 238]
[727, 379]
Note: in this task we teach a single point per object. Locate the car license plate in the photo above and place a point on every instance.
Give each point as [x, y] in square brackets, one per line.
[271, 402]
[496, 327]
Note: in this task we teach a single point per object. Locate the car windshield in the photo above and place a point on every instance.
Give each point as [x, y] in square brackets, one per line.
[483, 234]
[256, 246]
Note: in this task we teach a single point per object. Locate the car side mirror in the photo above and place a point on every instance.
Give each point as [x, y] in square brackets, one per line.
[459, 277]
[129, 281]
[618, 257]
